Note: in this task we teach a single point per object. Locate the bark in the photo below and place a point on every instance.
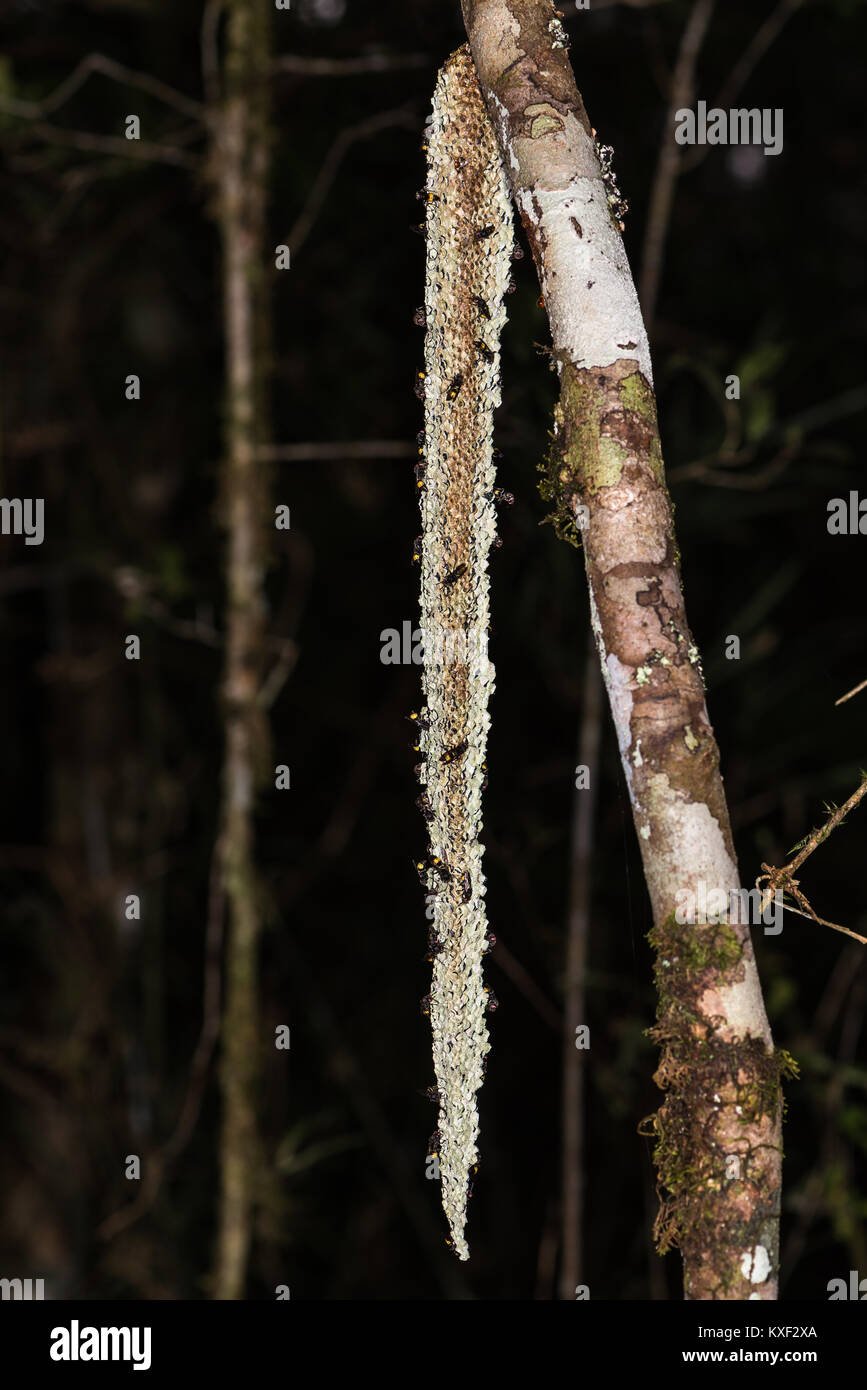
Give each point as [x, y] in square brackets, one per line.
[717, 1150]
[240, 167]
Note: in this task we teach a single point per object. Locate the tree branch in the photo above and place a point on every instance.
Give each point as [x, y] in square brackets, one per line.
[337, 449]
[240, 161]
[113, 145]
[718, 1132]
[98, 62]
[669, 161]
[301, 66]
[399, 116]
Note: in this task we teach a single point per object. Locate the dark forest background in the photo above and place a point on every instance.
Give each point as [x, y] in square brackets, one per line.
[111, 768]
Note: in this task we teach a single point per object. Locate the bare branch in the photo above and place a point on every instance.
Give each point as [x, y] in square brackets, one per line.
[669, 161]
[743, 69]
[400, 116]
[210, 50]
[301, 66]
[848, 696]
[790, 885]
[819, 836]
[278, 675]
[336, 449]
[114, 145]
[710, 470]
[756, 49]
[162, 1161]
[98, 62]
[773, 878]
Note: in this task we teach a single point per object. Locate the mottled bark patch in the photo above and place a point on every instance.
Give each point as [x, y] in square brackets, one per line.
[596, 403]
[605, 456]
[605, 419]
[717, 1130]
[525, 55]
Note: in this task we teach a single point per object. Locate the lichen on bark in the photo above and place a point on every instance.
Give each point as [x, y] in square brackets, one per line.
[603, 417]
[717, 1130]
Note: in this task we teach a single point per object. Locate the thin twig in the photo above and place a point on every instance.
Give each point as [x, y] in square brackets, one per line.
[743, 69]
[210, 51]
[669, 161]
[278, 675]
[321, 450]
[702, 472]
[195, 630]
[98, 62]
[518, 974]
[791, 431]
[161, 1162]
[211, 1000]
[114, 145]
[782, 878]
[791, 886]
[820, 835]
[301, 66]
[400, 116]
[848, 696]
[756, 49]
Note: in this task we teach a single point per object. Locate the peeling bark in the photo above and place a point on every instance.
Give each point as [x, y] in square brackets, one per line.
[717, 1134]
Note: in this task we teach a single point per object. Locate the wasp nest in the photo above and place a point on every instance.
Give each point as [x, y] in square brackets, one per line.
[469, 246]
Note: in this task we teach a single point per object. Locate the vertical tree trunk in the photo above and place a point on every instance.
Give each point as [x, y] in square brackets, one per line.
[240, 169]
[717, 1134]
